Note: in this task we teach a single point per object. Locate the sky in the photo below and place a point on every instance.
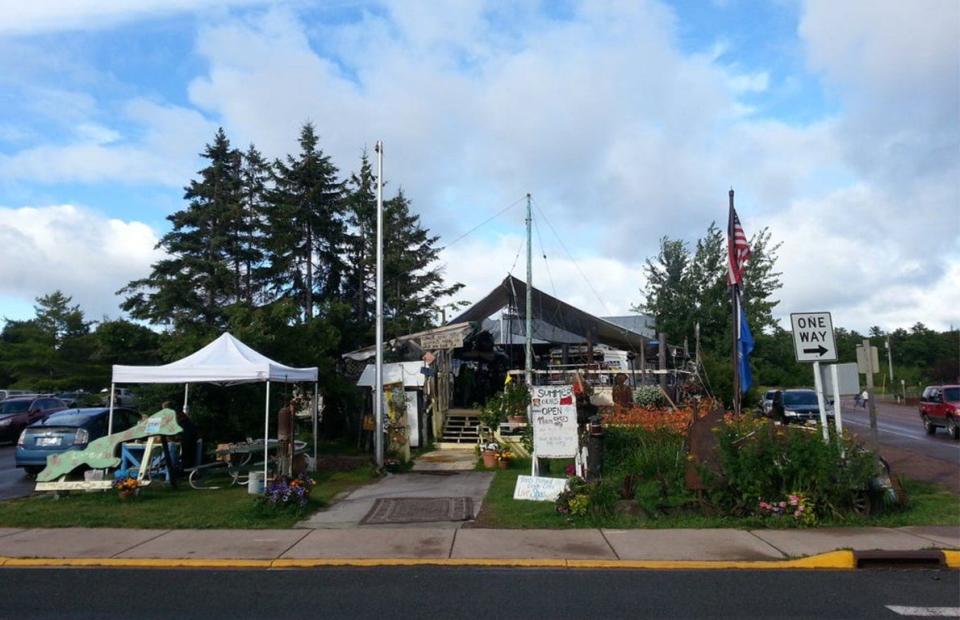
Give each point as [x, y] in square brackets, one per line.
[837, 124]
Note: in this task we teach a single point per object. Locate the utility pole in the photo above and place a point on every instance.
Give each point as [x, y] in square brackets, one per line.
[890, 361]
[871, 401]
[528, 341]
[378, 389]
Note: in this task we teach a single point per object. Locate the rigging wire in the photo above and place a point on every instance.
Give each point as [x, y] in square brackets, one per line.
[603, 304]
[488, 220]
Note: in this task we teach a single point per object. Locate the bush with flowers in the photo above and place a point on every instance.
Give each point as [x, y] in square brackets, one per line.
[797, 506]
[126, 486]
[762, 460]
[286, 492]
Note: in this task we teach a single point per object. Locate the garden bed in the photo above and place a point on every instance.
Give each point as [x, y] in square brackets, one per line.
[929, 505]
[165, 508]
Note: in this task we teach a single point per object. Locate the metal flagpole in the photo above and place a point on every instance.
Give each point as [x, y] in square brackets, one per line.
[528, 341]
[266, 436]
[734, 302]
[378, 388]
[528, 325]
[316, 415]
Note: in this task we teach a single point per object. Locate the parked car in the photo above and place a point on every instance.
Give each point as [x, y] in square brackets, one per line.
[799, 405]
[766, 403]
[71, 429]
[940, 408]
[18, 413]
[5, 394]
[123, 397]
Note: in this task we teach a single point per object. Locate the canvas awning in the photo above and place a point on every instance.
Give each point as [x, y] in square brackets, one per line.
[554, 312]
[455, 330]
[225, 361]
[407, 373]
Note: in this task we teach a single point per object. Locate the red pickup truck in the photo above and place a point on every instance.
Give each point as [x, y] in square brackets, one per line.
[940, 407]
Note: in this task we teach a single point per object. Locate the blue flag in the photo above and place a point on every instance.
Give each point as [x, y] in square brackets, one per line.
[744, 349]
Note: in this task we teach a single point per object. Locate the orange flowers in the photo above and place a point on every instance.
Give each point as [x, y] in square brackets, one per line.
[648, 419]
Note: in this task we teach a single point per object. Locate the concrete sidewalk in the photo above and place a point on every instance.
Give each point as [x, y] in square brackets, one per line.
[446, 545]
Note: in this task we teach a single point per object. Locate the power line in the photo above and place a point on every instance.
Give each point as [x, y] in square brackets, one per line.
[488, 220]
[603, 304]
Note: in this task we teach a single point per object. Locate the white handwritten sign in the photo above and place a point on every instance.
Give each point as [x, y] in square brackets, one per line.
[553, 411]
[537, 489]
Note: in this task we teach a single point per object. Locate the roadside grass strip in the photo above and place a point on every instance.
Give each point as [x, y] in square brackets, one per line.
[833, 560]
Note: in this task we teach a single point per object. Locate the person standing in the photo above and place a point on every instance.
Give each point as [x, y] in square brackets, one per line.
[863, 398]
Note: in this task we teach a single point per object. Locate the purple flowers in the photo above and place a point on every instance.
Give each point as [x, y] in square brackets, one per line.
[286, 492]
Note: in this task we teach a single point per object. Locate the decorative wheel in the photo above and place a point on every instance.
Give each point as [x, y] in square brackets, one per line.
[861, 504]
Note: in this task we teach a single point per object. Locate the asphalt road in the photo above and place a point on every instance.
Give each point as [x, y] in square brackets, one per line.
[906, 446]
[432, 592]
[13, 482]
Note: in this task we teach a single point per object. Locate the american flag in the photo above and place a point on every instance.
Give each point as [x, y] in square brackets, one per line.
[738, 250]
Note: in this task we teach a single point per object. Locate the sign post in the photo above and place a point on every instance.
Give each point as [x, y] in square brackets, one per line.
[813, 342]
[869, 363]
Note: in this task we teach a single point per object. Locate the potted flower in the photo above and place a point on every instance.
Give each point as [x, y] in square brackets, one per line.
[127, 486]
[489, 453]
[504, 456]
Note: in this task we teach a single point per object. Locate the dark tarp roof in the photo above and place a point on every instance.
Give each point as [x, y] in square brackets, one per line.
[553, 311]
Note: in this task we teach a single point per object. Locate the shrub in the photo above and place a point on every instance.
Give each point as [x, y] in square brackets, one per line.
[761, 462]
[649, 396]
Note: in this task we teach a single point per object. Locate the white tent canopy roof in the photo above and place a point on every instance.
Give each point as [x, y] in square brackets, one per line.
[226, 360]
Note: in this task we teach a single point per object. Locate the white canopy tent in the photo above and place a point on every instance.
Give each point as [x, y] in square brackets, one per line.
[225, 361]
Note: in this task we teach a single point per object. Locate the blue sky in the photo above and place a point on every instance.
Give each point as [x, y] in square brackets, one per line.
[836, 124]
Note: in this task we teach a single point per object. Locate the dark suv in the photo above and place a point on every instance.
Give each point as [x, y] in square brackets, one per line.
[940, 407]
[18, 413]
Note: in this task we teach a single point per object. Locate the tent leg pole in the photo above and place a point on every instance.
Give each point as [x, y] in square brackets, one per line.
[316, 414]
[186, 397]
[266, 436]
[113, 396]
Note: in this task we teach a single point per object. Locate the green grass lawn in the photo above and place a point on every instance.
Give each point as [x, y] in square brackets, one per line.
[929, 505]
[162, 507]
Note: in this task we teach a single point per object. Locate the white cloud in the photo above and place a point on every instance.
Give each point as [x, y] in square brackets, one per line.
[19, 18]
[78, 251]
[164, 152]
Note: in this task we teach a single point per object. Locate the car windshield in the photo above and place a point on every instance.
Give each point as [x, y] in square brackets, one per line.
[799, 398]
[14, 406]
[951, 394]
[70, 418]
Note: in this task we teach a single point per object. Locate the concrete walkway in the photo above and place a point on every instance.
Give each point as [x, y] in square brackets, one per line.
[448, 544]
[349, 510]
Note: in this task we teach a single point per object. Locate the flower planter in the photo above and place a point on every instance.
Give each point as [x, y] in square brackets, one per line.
[489, 459]
[503, 464]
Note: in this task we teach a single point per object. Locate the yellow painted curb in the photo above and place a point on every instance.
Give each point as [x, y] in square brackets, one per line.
[837, 560]
[952, 558]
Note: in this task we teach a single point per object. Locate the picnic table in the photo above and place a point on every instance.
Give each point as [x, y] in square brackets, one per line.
[236, 461]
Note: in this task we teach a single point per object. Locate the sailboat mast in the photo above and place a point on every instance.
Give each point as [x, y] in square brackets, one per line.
[528, 341]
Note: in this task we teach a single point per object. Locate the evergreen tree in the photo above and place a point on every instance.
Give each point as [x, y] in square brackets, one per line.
[361, 207]
[412, 276]
[250, 230]
[193, 285]
[306, 224]
[669, 295]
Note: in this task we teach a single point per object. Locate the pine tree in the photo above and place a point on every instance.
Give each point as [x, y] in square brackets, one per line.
[200, 278]
[250, 229]
[305, 217]
[413, 277]
[361, 207]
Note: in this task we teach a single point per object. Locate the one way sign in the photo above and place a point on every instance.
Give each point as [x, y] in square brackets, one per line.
[813, 337]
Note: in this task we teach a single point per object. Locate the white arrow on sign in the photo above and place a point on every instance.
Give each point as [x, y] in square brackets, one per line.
[813, 337]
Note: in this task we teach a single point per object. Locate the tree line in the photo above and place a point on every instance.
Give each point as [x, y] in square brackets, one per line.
[687, 286]
[280, 253]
